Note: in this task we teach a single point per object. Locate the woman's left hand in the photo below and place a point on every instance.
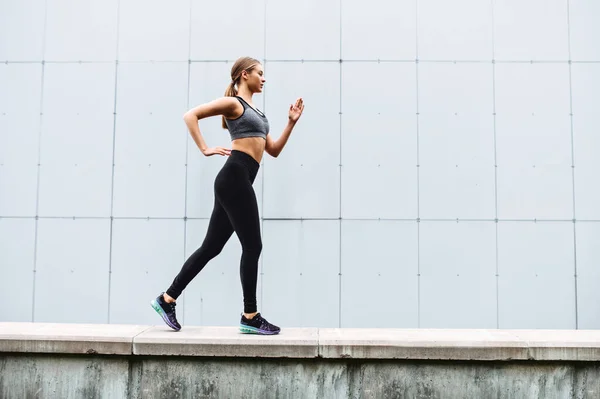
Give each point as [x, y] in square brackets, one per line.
[296, 110]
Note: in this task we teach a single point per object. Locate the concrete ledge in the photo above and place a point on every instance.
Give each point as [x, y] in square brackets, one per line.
[569, 345]
[421, 344]
[409, 344]
[226, 342]
[106, 339]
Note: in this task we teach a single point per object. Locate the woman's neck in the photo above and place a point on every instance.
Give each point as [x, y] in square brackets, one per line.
[245, 94]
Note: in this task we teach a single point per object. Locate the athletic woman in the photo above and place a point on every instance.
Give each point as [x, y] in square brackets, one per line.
[235, 207]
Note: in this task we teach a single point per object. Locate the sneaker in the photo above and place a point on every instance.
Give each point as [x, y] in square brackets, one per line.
[257, 325]
[166, 311]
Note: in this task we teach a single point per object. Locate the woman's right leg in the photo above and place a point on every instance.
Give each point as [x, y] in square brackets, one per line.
[218, 233]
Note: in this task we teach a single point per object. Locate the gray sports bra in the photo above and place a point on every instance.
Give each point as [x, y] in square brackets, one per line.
[252, 123]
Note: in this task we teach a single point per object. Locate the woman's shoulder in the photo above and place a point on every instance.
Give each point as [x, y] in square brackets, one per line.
[226, 100]
[224, 104]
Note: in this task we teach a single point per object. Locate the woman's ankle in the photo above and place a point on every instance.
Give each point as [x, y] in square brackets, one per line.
[250, 316]
[167, 298]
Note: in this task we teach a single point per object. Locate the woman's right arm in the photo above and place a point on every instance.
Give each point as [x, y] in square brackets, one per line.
[225, 106]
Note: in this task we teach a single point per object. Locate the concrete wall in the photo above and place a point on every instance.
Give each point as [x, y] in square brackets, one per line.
[444, 173]
[94, 377]
[128, 361]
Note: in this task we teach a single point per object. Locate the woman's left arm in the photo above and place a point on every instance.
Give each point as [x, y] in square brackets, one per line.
[274, 147]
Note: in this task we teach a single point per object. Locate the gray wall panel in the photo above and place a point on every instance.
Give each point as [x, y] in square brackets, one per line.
[95, 22]
[19, 138]
[532, 105]
[160, 33]
[71, 280]
[586, 141]
[366, 30]
[239, 26]
[20, 113]
[17, 250]
[149, 176]
[468, 192]
[304, 181]
[149, 191]
[583, 25]
[379, 282]
[587, 191]
[457, 265]
[588, 274]
[85, 88]
[458, 30]
[379, 141]
[536, 288]
[77, 140]
[533, 140]
[544, 192]
[22, 88]
[456, 141]
[514, 38]
[379, 191]
[23, 22]
[18, 185]
[166, 95]
[75, 190]
[146, 254]
[300, 272]
[311, 31]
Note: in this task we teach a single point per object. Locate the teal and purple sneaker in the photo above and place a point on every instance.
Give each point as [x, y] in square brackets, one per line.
[166, 311]
[258, 325]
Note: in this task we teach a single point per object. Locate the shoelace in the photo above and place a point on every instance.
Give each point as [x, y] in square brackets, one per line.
[171, 306]
[264, 323]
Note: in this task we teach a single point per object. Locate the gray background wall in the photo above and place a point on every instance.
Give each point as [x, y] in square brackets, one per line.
[442, 175]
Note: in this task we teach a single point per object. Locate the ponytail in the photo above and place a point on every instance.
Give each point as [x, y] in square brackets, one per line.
[231, 91]
[241, 64]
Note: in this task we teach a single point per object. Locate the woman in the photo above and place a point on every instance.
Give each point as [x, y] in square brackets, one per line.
[235, 207]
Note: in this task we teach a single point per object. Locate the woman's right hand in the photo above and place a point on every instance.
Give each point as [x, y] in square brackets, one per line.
[216, 151]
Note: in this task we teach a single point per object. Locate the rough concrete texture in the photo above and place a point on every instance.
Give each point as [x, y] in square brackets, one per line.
[242, 378]
[108, 339]
[477, 380]
[45, 377]
[368, 380]
[226, 341]
[42, 376]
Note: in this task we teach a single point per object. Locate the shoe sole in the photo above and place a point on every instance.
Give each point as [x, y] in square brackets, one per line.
[162, 314]
[253, 330]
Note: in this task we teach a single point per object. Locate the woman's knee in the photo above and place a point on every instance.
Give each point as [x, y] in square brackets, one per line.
[211, 250]
[254, 248]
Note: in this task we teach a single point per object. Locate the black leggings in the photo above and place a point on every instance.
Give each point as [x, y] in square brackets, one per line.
[236, 210]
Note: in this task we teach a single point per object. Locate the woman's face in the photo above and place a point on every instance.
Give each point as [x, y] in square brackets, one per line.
[256, 79]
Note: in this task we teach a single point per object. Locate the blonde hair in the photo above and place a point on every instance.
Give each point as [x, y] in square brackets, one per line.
[241, 64]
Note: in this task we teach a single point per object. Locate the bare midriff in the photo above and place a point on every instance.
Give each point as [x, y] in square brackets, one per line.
[253, 146]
